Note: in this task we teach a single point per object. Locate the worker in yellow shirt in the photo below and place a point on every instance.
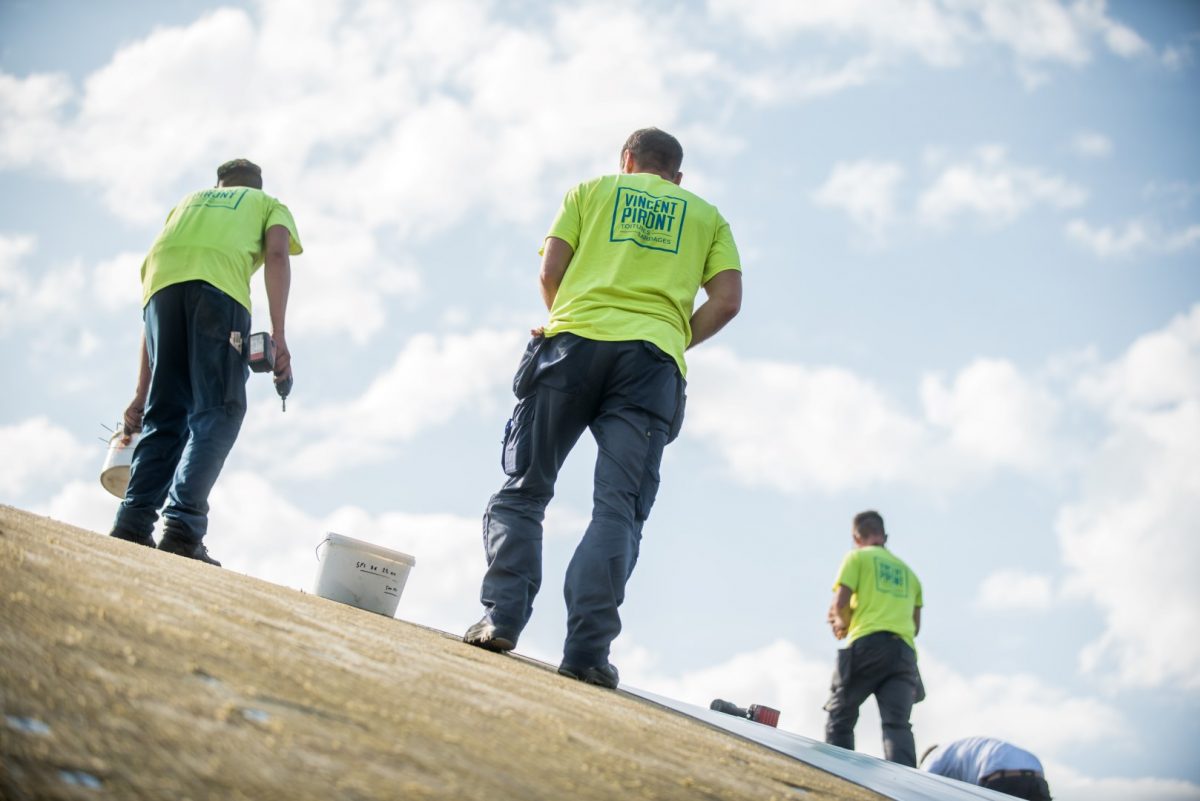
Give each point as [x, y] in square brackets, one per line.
[877, 609]
[191, 392]
[622, 265]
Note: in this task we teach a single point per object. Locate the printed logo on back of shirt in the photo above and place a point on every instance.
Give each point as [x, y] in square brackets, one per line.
[891, 579]
[647, 220]
[218, 198]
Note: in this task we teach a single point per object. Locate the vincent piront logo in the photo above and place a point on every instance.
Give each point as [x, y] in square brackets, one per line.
[648, 220]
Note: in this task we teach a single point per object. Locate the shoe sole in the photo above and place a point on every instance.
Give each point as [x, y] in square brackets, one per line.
[486, 638]
[588, 676]
[497, 645]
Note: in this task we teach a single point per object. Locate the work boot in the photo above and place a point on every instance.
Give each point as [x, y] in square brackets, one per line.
[132, 536]
[601, 675]
[486, 634]
[172, 543]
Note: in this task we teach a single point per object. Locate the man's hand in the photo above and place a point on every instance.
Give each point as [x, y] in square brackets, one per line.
[840, 612]
[132, 421]
[283, 358]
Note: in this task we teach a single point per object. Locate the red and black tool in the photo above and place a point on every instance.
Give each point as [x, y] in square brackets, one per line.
[261, 357]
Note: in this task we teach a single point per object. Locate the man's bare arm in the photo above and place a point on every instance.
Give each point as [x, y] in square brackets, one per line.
[840, 612]
[556, 257]
[277, 274]
[724, 301]
[137, 407]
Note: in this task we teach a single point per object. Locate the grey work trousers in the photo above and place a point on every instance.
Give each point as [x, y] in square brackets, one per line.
[880, 664]
[629, 394]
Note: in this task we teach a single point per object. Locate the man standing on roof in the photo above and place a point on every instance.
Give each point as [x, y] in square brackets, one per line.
[989, 763]
[191, 390]
[621, 268]
[877, 609]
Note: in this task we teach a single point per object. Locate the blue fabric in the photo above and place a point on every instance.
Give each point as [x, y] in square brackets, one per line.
[194, 408]
[628, 394]
[972, 758]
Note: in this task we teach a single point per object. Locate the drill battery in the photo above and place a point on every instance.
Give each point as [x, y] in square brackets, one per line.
[260, 355]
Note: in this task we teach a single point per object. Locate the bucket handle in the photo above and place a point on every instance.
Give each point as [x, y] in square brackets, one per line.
[317, 550]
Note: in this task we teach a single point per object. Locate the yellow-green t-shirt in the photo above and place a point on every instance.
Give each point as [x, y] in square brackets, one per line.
[885, 593]
[216, 235]
[643, 248]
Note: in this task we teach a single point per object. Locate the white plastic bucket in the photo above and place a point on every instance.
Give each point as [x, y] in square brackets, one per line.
[361, 574]
[114, 475]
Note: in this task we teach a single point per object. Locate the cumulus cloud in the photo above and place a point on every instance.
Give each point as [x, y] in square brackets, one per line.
[943, 34]
[987, 417]
[37, 450]
[1121, 538]
[1089, 144]
[1046, 719]
[994, 414]
[1016, 590]
[1133, 238]
[833, 417]
[993, 190]
[864, 190]
[432, 379]
[35, 293]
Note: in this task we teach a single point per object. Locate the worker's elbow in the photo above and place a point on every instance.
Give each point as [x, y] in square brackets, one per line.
[727, 307]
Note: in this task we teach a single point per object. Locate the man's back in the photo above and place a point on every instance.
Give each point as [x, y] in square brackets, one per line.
[643, 248]
[972, 758]
[216, 236]
[885, 593]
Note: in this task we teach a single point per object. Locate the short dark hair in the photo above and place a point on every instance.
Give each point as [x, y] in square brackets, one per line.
[240, 172]
[868, 524]
[655, 150]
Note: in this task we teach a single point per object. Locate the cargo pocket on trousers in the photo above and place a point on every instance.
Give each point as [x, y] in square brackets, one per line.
[651, 476]
[523, 378]
[514, 455]
[680, 406]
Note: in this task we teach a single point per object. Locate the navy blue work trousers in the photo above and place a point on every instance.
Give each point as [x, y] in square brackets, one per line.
[630, 395]
[197, 399]
[880, 664]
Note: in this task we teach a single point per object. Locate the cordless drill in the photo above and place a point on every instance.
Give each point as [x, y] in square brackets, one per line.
[757, 713]
[262, 360]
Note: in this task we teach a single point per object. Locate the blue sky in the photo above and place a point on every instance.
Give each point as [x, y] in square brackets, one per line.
[971, 239]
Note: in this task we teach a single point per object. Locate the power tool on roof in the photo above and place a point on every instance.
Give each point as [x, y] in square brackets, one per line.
[757, 713]
[261, 356]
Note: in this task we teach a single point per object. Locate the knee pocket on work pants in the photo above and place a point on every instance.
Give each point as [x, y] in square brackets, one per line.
[219, 356]
[517, 444]
[651, 475]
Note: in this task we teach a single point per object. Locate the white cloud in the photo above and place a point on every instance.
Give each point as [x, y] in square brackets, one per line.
[36, 294]
[994, 414]
[1135, 237]
[992, 189]
[1089, 144]
[1017, 707]
[865, 190]
[918, 27]
[1036, 32]
[1070, 785]
[1121, 539]
[432, 379]
[1016, 590]
[841, 432]
[1020, 707]
[37, 450]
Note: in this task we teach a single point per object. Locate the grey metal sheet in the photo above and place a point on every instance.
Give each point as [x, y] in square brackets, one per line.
[886, 778]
